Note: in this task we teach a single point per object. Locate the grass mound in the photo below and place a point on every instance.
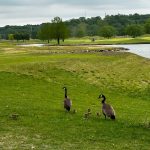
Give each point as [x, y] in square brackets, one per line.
[31, 87]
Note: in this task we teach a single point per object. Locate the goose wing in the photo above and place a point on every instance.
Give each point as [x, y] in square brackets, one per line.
[67, 102]
[108, 110]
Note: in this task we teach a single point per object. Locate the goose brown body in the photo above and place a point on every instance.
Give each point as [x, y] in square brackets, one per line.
[67, 101]
[67, 104]
[107, 109]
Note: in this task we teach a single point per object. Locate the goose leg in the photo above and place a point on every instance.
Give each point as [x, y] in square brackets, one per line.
[104, 115]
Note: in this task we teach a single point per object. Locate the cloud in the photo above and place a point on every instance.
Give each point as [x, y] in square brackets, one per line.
[127, 3]
[38, 11]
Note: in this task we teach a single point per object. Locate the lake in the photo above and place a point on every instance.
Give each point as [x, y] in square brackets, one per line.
[32, 45]
[139, 49]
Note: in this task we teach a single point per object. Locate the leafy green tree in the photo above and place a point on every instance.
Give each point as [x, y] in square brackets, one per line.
[17, 36]
[147, 26]
[65, 33]
[21, 36]
[107, 31]
[10, 37]
[81, 30]
[59, 29]
[45, 32]
[134, 30]
[91, 30]
[25, 36]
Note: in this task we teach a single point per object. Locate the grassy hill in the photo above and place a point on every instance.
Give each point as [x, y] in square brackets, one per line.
[31, 81]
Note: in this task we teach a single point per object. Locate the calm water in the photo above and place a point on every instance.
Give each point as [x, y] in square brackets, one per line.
[31, 45]
[139, 49]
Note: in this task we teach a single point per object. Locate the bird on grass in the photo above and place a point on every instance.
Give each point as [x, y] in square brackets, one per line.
[107, 109]
[67, 101]
[88, 113]
[14, 116]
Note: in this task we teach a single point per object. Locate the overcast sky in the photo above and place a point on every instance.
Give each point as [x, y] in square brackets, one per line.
[21, 12]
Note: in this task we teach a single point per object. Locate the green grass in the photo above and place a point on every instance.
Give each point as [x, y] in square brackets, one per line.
[88, 40]
[117, 40]
[31, 81]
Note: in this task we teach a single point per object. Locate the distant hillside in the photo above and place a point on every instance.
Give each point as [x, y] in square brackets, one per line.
[82, 26]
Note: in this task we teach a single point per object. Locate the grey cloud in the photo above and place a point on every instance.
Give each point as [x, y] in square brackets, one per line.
[134, 3]
[44, 10]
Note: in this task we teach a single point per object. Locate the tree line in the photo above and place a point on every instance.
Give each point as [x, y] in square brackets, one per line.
[111, 25]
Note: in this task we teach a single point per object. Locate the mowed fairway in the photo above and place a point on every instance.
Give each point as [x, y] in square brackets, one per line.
[31, 81]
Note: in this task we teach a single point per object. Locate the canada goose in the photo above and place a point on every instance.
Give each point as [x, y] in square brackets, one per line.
[74, 111]
[98, 114]
[67, 101]
[88, 113]
[106, 108]
[14, 116]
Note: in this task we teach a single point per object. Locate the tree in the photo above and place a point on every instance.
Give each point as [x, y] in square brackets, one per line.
[134, 30]
[25, 36]
[92, 30]
[45, 32]
[59, 29]
[147, 26]
[81, 30]
[21, 36]
[65, 32]
[107, 31]
[17, 36]
[10, 37]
